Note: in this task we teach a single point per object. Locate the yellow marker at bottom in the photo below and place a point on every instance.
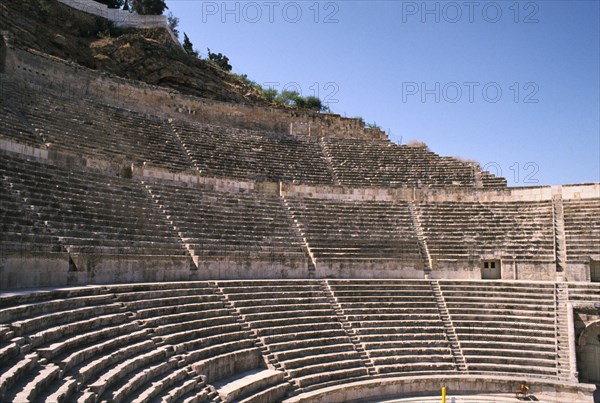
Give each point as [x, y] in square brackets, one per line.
[444, 394]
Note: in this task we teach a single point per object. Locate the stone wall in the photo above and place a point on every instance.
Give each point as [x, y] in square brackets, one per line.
[457, 385]
[193, 179]
[28, 270]
[374, 269]
[121, 18]
[347, 193]
[531, 194]
[259, 269]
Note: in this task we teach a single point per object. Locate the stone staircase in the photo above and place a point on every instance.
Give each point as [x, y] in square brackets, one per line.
[264, 349]
[560, 244]
[168, 221]
[477, 178]
[423, 249]
[271, 358]
[459, 358]
[563, 349]
[184, 149]
[329, 159]
[339, 311]
[312, 263]
[301, 329]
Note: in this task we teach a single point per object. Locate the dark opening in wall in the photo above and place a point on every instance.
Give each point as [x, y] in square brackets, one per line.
[588, 353]
[491, 270]
[595, 271]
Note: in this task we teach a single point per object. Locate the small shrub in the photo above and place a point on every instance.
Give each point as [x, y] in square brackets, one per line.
[149, 7]
[287, 98]
[111, 3]
[314, 103]
[43, 8]
[244, 79]
[417, 144]
[104, 28]
[221, 60]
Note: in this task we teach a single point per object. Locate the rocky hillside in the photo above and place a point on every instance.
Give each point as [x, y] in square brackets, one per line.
[144, 55]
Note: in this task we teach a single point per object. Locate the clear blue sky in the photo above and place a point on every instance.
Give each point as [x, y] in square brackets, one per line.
[513, 85]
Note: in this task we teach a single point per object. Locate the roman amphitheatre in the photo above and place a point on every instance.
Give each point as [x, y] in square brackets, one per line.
[169, 241]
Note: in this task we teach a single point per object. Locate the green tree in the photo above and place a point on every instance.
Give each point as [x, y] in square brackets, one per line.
[299, 101]
[188, 46]
[288, 98]
[173, 24]
[270, 94]
[314, 103]
[221, 60]
[112, 3]
[149, 7]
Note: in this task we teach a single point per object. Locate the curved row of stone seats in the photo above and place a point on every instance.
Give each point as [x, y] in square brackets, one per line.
[465, 230]
[261, 385]
[236, 153]
[584, 293]
[89, 128]
[90, 212]
[218, 225]
[63, 338]
[397, 323]
[383, 163]
[14, 125]
[504, 327]
[142, 343]
[296, 322]
[582, 229]
[346, 230]
[85, 127]
[21, 231]
[203, 340]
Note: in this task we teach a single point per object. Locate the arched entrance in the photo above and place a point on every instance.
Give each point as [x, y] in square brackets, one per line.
[588, 353]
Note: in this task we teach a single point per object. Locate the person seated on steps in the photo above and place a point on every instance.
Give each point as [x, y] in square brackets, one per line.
[523, 391]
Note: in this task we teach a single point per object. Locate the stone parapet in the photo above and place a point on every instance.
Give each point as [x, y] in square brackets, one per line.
[121, 18]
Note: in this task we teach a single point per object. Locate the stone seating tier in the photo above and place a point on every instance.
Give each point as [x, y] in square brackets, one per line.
[405, 333]
[582, 229]
[463, 230]
[380, 163]
[338, 229]
[79, 127]
[86, 212]
[236, 153]
[57, 122]
[182, 340]
[492, 321]
[216, 224]
[584, 292]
